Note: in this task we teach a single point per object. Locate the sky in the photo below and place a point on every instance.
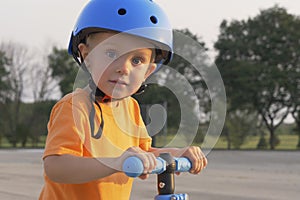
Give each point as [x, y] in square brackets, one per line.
[44, 23]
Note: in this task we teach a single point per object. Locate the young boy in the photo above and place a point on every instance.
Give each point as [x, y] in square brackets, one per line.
[93, 130]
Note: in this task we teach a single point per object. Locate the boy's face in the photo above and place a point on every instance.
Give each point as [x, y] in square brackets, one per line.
[119, 63]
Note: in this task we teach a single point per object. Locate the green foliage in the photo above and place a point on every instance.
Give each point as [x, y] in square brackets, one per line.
[36, 117]
[64, 69]
[31, 125]
[287, 129]
[255, 57]
[155, 94]
[182, 72]
[4, 86]
[262, 143]
[239, 125]
[199, 138]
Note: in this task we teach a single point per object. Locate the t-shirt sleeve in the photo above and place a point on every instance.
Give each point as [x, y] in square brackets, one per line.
[66, 130]
[145, 143]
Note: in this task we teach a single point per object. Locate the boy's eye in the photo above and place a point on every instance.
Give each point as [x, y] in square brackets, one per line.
[111, 54]
[137, 60]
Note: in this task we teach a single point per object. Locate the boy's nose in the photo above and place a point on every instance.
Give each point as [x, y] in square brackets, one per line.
[122, 66]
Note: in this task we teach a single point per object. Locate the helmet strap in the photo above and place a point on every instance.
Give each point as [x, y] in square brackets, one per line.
[141, 89]
[97, 92]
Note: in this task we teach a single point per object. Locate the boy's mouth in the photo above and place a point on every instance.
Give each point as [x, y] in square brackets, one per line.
[118, 82]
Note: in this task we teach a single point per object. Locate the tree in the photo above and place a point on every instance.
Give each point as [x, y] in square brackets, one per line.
[254, 57]
[19, 58]
[64, 69]
[44, 86]
[191, 61]
[238, 126]
[181, 78]
[3, 88]
[188, 55]
[293, 73]
[35, 117]
[155, 94]
[294, 88]
[26, 78]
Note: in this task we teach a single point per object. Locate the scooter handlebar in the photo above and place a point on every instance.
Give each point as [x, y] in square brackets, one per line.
[133, 166]
[183, 164]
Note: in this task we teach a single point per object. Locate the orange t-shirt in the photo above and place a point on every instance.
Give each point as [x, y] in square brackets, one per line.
[69, 132]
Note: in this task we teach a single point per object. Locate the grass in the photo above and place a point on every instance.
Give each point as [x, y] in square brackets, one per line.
[5, 143]
[287, 142]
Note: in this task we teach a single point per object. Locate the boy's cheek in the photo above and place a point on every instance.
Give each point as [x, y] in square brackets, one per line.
[97, 68]
[98, 76]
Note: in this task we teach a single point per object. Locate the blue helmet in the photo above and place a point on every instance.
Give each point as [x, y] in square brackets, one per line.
[143, 18]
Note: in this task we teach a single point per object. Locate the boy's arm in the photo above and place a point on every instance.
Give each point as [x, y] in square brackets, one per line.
[72, 169]
[75, 170]
[193, 153]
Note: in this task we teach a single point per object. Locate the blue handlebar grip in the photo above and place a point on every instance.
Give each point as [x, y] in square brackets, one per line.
[133, 166]
[160, 167]
[183, 164]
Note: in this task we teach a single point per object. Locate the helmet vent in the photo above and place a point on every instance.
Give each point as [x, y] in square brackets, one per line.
[153, 19]
[122, 11]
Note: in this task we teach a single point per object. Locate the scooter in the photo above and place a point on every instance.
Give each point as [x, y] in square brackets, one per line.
[165, 169]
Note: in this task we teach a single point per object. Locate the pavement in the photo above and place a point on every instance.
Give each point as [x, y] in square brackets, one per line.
[230, 175]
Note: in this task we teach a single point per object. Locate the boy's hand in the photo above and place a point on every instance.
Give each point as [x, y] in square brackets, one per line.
[196, 156]
[148, 159]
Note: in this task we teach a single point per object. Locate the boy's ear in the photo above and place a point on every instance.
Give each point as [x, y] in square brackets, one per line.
[83, 50]
[150, 70]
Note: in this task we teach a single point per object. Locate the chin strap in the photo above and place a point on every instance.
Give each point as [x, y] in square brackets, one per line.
[97, 93]
[141, 89]
[92, 117]
[94, 94]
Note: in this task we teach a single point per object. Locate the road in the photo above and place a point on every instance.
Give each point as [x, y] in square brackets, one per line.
[230, 175]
